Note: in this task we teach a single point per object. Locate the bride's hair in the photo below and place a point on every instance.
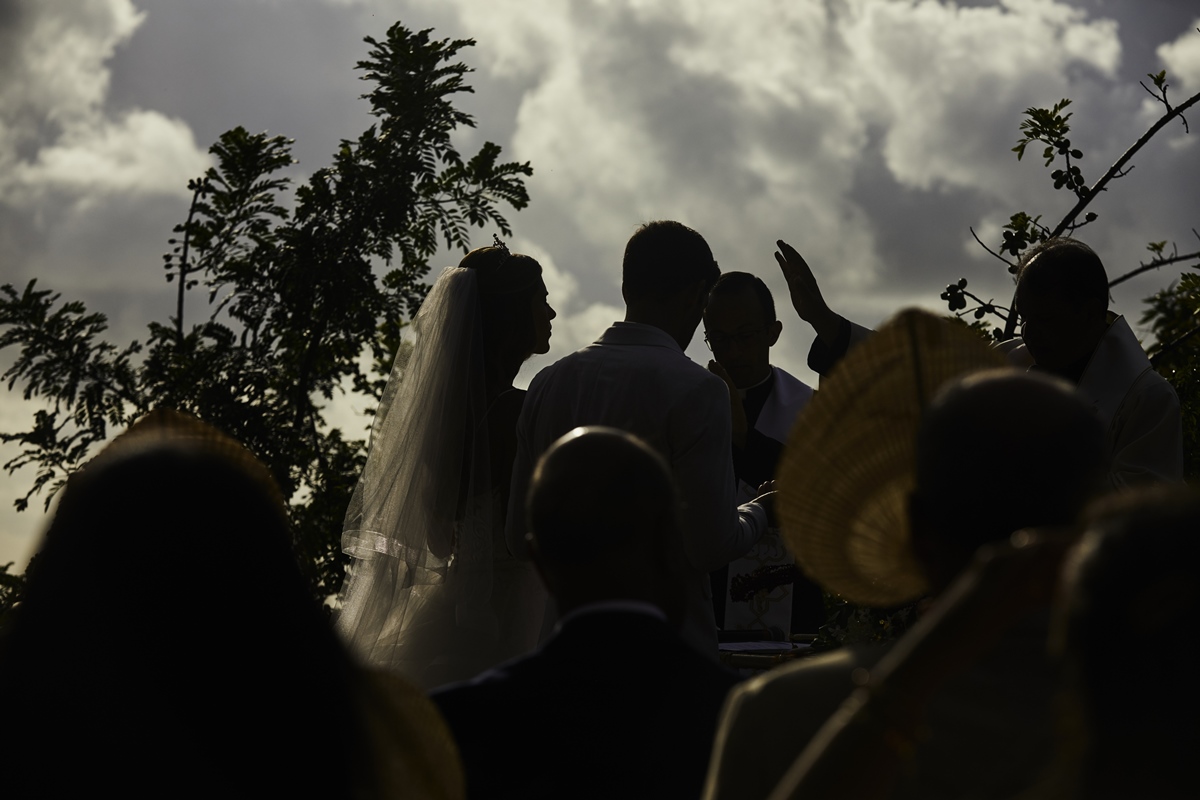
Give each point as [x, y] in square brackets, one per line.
[508, 283]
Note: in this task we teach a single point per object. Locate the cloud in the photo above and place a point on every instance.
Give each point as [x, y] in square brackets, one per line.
[755, 121]
[1182, 60]
[579, 320]
[57, 138]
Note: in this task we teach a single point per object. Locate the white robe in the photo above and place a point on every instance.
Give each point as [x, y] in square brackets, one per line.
[1138, 407]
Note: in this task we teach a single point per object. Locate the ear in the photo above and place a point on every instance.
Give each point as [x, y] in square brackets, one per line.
[773, 331]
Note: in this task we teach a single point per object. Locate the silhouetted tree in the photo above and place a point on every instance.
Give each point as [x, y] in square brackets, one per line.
[296, 297]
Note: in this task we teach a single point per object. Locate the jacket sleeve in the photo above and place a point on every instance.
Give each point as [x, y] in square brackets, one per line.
[715, 530]
[824, 356]
[1146, 435]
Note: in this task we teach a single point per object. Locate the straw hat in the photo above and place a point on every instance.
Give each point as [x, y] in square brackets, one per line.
[849, 464]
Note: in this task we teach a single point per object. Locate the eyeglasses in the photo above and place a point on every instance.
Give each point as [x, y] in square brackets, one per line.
[720, 340]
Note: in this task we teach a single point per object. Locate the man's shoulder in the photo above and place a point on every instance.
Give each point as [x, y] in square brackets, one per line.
[638, 365]
[791, 387]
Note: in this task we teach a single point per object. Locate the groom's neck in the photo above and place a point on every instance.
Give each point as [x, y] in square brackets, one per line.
[665, 319]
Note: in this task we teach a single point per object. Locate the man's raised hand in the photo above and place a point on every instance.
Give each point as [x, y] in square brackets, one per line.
[806, 294]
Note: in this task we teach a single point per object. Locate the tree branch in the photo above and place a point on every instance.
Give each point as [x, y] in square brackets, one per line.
[1114, 171]
[1155, 264]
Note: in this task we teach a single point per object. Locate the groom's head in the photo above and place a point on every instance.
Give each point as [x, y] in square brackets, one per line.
[666, 275]
[603, 520]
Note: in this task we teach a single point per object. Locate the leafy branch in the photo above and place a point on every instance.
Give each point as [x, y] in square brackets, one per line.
[1051, 128]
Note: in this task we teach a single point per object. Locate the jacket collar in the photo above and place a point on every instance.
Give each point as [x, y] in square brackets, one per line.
[1117, 362]
[638, 333]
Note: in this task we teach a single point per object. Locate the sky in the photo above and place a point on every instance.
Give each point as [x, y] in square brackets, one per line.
[872, 135]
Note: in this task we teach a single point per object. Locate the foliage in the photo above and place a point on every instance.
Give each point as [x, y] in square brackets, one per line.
[11, 586]
[1172, 314]
[293, 297]
[1051, 127]
[847, 623]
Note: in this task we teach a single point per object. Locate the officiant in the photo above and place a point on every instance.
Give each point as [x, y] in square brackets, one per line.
[761, 590]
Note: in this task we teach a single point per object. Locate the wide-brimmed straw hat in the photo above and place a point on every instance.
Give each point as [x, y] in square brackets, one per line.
[849, 464]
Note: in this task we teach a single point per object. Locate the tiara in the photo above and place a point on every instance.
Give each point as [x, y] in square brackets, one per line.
[500, 245]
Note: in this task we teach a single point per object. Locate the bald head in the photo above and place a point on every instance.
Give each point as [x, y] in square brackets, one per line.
[602, 512]
[596, 489]
[999, 451]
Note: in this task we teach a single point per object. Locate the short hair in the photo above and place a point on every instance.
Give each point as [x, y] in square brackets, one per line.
[1066, 269]
[664, 256]
[731, 283]
[1044, 451]
[597, 489]
[506, 282]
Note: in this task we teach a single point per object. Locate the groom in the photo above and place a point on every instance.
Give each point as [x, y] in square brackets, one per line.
[636, 378]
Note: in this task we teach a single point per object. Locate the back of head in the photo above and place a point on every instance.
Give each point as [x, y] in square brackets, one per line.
[1131, 598]
[999, 451]
[167, 633]
[664, 257]
[1065, 270]
[602, 511]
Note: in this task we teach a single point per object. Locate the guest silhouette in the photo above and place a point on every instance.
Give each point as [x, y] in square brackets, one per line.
[615, 703]
[168, 645]
[990, 731]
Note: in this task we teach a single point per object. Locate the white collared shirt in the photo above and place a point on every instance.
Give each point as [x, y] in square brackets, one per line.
[636, 378]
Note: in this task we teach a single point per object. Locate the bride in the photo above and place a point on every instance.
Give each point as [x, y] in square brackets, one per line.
[432, 592]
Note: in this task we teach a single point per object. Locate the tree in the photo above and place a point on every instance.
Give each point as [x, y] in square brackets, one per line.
[1173, 313]
[294, 298]
[1050, 127]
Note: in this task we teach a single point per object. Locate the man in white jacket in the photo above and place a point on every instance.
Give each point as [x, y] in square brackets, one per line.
[1068, 331]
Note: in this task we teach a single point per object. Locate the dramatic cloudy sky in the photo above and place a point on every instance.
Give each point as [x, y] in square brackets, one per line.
[872, 134]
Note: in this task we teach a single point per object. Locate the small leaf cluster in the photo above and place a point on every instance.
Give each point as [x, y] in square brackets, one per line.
[956, 296]
[1021, 231]
[1050, 127]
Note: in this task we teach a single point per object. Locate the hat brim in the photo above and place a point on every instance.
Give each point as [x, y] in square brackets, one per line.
[848, 468]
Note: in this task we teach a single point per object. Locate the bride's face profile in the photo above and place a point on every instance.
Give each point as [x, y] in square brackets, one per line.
[542, 313]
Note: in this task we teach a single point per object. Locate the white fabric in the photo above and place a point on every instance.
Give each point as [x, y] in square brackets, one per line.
[432, 594]
[636, 378]
[1138, 407]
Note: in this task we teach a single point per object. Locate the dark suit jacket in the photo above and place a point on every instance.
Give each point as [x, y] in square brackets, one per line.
[615, 704]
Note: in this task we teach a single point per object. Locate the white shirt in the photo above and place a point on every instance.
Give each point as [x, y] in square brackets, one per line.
[636, 378]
